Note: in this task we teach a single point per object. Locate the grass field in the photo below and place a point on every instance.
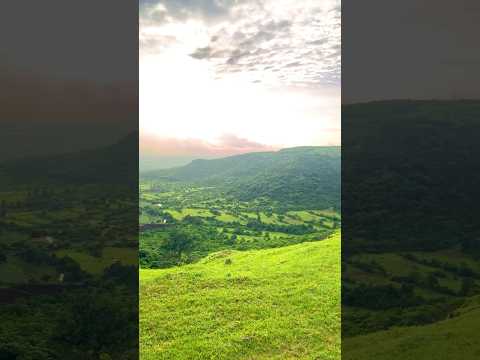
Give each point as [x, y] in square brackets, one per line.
[279, 303]
[444, 340]
[95, 265]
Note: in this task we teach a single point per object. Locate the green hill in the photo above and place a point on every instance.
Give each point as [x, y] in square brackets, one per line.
[413, 164]
[453, 338]
[279, 303]
[304, 176]
[110, 165]
[411, 244]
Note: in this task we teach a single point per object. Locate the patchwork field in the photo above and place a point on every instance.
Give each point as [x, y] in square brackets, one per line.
[411, 305]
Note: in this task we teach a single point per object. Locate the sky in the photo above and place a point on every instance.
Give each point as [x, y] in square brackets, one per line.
[410, 49]
[220, 77]
[67, 81]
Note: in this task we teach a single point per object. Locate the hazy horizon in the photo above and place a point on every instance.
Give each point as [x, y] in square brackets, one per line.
[150, 162]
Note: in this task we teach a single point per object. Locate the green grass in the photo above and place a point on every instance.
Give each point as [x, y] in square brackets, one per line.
[95, 265]
[180, 215]
[12, 196]
[453, 338]
[279, 303]
[269, 219]
[18, 271]
[397, 265]
[305, 215]
[224, 217]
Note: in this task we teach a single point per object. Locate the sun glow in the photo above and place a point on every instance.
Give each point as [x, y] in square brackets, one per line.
[184, 97]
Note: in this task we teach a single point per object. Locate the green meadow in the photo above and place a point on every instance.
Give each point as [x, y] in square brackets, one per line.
[281, 303]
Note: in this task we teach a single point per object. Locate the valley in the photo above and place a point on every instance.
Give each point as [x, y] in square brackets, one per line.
[232, 257]
[208, 221]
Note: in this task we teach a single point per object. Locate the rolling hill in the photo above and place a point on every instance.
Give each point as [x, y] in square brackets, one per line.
[306, 176]
[453, 338]
[410, 252]
[244, 305]
[112, 164]
[414, 164]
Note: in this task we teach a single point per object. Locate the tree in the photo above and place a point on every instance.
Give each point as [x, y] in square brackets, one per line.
[179, 241]
[3, 209]
[467, 286]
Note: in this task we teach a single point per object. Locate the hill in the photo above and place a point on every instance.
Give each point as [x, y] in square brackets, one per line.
[413, 164]
[243, 305]
[410, 254]
[113, 164]
[453, 338]
[306, 176]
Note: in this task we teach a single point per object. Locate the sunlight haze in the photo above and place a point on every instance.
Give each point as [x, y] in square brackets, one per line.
[239, 75]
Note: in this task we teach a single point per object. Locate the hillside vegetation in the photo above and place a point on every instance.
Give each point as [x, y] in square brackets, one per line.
[279, 303]
[110, 165]
[411, 246]
[414, 165]
[453, 338]
[306, 177]
[68, 255]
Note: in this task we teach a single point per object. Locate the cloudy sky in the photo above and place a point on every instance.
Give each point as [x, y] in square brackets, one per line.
[410, 49]
[65, 86]
[229, 76]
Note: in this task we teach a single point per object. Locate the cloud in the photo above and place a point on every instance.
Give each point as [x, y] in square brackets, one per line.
[202, 53]
[289, 42]
[159, 12]
[230, 141]
[267, 71]
[225, 145]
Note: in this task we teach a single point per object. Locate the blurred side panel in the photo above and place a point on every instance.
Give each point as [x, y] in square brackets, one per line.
[410, 175]
[69, 180]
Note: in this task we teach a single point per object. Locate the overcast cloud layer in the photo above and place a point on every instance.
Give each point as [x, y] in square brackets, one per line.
[266, 71]
[410, 49]
[276, 41]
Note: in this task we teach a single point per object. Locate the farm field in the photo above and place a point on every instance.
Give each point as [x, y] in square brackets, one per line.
[414, 288]
[39, 241]
[213, 221]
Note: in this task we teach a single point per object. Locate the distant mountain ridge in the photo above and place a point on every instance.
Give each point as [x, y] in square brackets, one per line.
[309, 176]
[115, 164]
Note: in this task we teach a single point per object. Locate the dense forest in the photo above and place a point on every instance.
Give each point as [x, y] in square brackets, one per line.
[414, 165]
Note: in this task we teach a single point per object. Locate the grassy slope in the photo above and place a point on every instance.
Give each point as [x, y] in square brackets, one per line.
[268, 304]
[445, 340]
